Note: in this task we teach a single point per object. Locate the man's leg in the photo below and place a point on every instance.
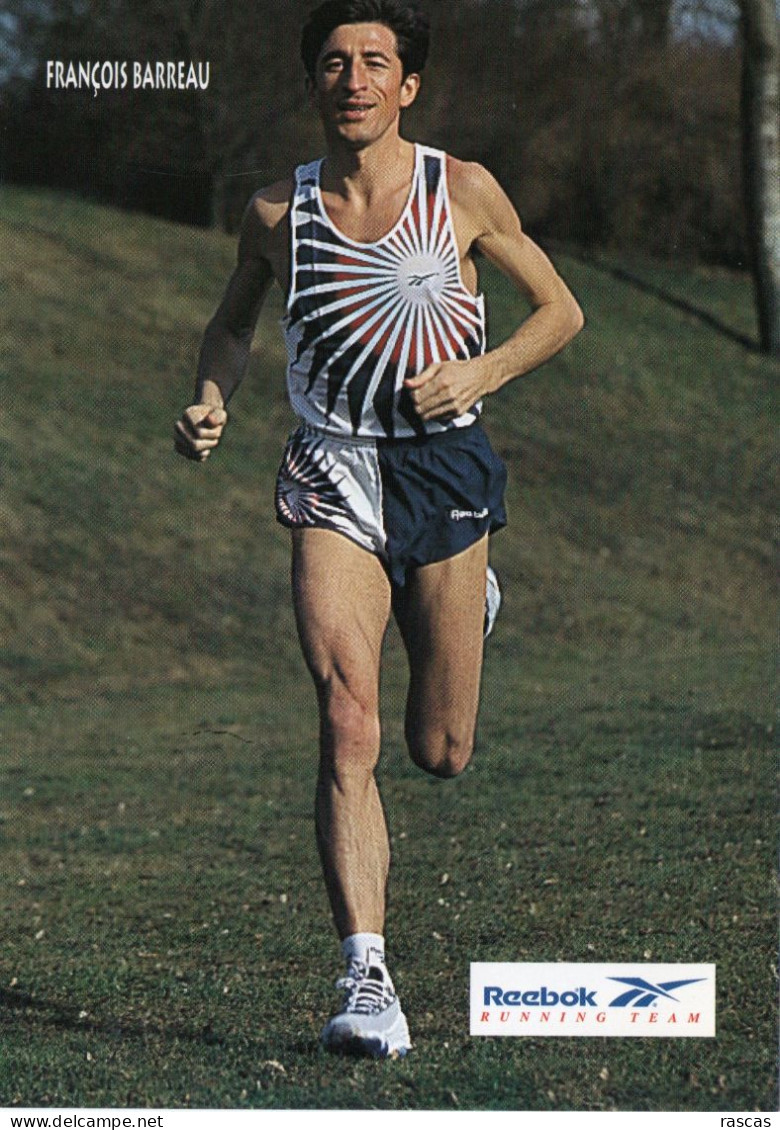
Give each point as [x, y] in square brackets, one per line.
[342, 606]
[441, 613]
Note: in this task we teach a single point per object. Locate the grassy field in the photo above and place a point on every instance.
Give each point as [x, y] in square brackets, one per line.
[165, 938]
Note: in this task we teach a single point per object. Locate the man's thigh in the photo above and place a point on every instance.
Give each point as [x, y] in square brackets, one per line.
[441, 613]
[341, 597]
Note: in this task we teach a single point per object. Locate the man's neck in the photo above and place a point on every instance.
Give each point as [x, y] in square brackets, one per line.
[368, 171]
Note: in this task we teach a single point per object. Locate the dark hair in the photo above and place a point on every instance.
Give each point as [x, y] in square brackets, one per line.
[407, 20]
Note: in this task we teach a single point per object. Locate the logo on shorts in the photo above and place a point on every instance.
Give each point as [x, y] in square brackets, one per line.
[306, 491]
[461, 515]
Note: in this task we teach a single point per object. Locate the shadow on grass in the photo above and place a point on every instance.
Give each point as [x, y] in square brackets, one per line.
[54, 1014]
[703, 316]
[63, 1017]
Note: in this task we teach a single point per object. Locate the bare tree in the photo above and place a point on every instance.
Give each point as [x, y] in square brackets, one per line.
[761, 148]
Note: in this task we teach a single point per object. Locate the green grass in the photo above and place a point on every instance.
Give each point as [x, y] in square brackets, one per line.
[165, 938]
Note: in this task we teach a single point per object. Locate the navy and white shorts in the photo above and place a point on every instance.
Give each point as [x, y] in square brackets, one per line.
[409, 501]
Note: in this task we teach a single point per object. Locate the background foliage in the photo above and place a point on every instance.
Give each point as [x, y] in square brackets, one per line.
[612, 123]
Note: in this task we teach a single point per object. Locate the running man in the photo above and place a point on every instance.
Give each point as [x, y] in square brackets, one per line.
[389, 485]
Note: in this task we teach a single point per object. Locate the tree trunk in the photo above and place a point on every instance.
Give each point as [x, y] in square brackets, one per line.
[656, 18]
[761, 151]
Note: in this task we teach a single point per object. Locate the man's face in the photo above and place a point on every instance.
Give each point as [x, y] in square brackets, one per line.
[359, 86]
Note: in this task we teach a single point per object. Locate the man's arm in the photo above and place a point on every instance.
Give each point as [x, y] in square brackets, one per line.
[486, 220]
[224, 354]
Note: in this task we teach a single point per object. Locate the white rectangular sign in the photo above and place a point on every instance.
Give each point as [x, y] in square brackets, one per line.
[569, 999]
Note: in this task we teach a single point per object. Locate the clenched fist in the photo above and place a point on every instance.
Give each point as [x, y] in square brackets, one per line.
[199, 431]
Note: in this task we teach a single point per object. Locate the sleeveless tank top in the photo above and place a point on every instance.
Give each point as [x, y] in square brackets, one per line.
[362, 317]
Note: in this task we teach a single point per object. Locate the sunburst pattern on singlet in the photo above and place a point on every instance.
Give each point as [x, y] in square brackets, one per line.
[362, 317]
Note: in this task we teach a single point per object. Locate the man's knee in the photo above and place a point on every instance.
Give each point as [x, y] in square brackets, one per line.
[349, 723]
[443, 752]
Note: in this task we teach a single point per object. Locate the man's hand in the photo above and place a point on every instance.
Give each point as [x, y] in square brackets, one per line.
[199, 431]
[447, 389]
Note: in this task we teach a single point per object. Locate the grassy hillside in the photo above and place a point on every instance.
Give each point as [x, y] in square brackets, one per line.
[161, 899]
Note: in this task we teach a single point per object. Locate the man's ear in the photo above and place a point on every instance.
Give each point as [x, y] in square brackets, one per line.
[311, 88]
[409, 90]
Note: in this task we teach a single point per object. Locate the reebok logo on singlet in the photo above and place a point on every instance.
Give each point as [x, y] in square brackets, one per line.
[421, 278]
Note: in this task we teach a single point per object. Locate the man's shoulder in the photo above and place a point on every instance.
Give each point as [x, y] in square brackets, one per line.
[469, 181]
[269, 205]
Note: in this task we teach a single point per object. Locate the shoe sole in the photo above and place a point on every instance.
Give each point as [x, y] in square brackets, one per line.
[340, 1036]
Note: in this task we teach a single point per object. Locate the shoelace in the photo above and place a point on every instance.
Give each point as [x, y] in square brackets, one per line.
[364, 994]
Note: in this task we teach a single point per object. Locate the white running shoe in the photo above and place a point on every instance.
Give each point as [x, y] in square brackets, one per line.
[492, 601]
[371, 1021]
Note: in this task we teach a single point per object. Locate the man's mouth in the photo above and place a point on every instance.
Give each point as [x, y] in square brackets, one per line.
[355, 109]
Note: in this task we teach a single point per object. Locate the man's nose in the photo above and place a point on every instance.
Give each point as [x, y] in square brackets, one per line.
[353, 76]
